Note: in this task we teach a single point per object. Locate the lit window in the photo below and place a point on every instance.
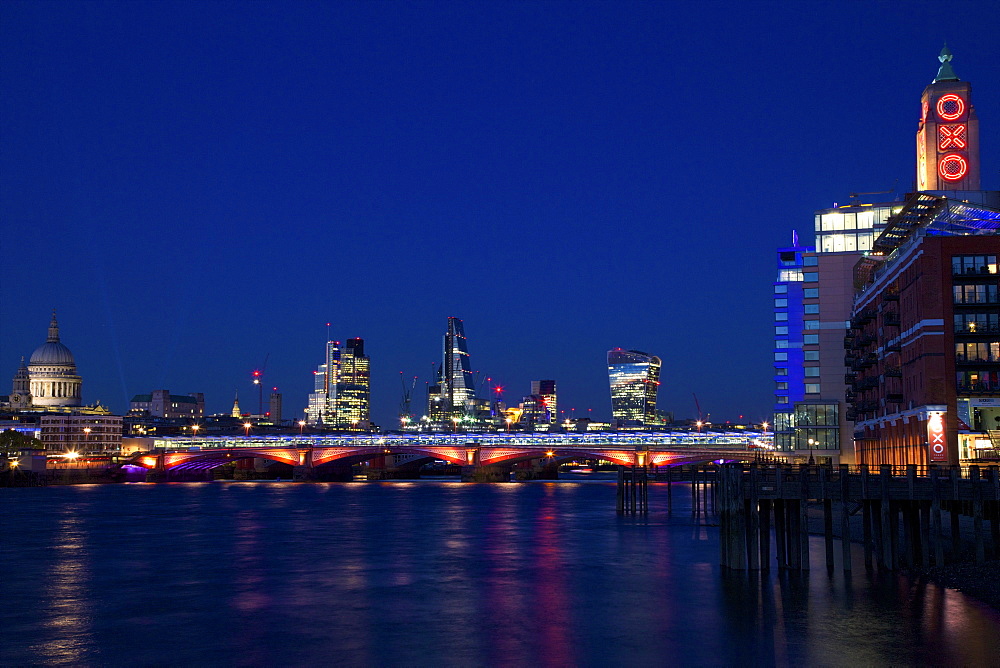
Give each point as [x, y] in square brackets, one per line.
[781, 385]
[810, 355]
[811, 324]
[812, 388]
[810, 276]
[781, 330]
[810, 261]
[781, 343]
[780, 357]
[780, 303]
[812, 308]
[811, 293]
[780, 289]
[810, 339]
[780, 399]
[812, 371]
[781, 316]
[780, 371]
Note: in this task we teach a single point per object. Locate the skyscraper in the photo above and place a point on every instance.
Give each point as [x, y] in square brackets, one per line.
[546, 389]
[453, 396]
[352, 391]
[319, 412]
[635, 379]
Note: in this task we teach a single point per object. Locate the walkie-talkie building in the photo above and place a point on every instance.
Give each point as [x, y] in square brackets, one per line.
[635, 379]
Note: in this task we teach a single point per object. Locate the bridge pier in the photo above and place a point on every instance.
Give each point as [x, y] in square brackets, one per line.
[494, 473]
[536, 469]
[159, 472]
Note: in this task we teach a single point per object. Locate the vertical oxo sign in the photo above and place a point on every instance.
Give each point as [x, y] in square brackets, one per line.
[935, 436]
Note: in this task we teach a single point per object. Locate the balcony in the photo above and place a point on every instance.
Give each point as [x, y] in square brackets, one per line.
[973, 328]
[893, 347]
[978, 388]
[893, 372]
[894, 398]
[962, 358]
[890, 296]
[849, 378]
[848, 342]
[891, 319]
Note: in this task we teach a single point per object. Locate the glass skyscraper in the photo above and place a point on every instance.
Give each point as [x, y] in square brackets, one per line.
[635, 379]
[453, 397]
[352, 390]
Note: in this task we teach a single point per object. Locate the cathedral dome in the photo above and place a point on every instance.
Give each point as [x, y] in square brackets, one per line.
[52, 353]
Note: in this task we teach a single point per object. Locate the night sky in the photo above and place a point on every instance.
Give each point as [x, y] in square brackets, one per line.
[198, 187]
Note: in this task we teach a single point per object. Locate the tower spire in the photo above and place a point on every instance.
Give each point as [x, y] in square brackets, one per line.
[945, 73]
[53, 329]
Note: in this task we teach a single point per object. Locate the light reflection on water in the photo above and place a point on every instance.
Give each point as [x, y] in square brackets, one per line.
[455, 574]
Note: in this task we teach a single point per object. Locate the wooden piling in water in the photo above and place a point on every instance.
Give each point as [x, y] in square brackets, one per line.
[753, 519]
[845, 517]
[937, 539]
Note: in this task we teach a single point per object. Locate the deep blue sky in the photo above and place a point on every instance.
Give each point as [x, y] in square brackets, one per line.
[196, 187]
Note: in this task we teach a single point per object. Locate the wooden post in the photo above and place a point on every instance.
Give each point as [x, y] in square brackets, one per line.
[780, 540]
[738, 546]
[924, 509]
[670, 490]
[804, 517]
[620, 492]
[694, 490]
[753, 519]
[765, 534]
[977, 513]
[845, 516]
[935, 533]
[827, 517]
[993, 475]
[955, 506]
[866, 532]
[886, 528]
[725, 520]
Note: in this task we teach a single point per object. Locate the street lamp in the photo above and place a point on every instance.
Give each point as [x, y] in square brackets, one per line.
[86, 438]
[194, 429]
[302, 425]
[246, 429]
[812, 442]
[698, 424]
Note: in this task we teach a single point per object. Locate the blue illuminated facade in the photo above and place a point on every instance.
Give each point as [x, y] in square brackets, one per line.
[789, 371]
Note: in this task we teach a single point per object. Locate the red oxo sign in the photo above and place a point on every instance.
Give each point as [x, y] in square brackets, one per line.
[935, 436]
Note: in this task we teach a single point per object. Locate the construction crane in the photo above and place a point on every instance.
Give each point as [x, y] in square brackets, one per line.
[854, 196]
[404, 406]
[258, 380]
[701, 417]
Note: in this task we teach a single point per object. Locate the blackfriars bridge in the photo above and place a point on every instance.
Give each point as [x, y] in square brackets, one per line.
[482, 456]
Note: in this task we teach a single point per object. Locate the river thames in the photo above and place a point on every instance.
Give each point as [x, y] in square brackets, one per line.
[433, 573]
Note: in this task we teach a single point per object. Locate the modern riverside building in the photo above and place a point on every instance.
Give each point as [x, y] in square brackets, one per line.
[813, 295]
[82, 434]
[453, 397]
[160, 403]
[635, 379]
[810, 395]
[924, 339]
[352, 391]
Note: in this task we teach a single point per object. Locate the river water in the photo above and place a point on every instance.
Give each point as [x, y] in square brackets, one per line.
[432, 573]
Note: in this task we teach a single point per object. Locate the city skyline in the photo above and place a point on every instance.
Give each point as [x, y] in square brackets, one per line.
[568, 154]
